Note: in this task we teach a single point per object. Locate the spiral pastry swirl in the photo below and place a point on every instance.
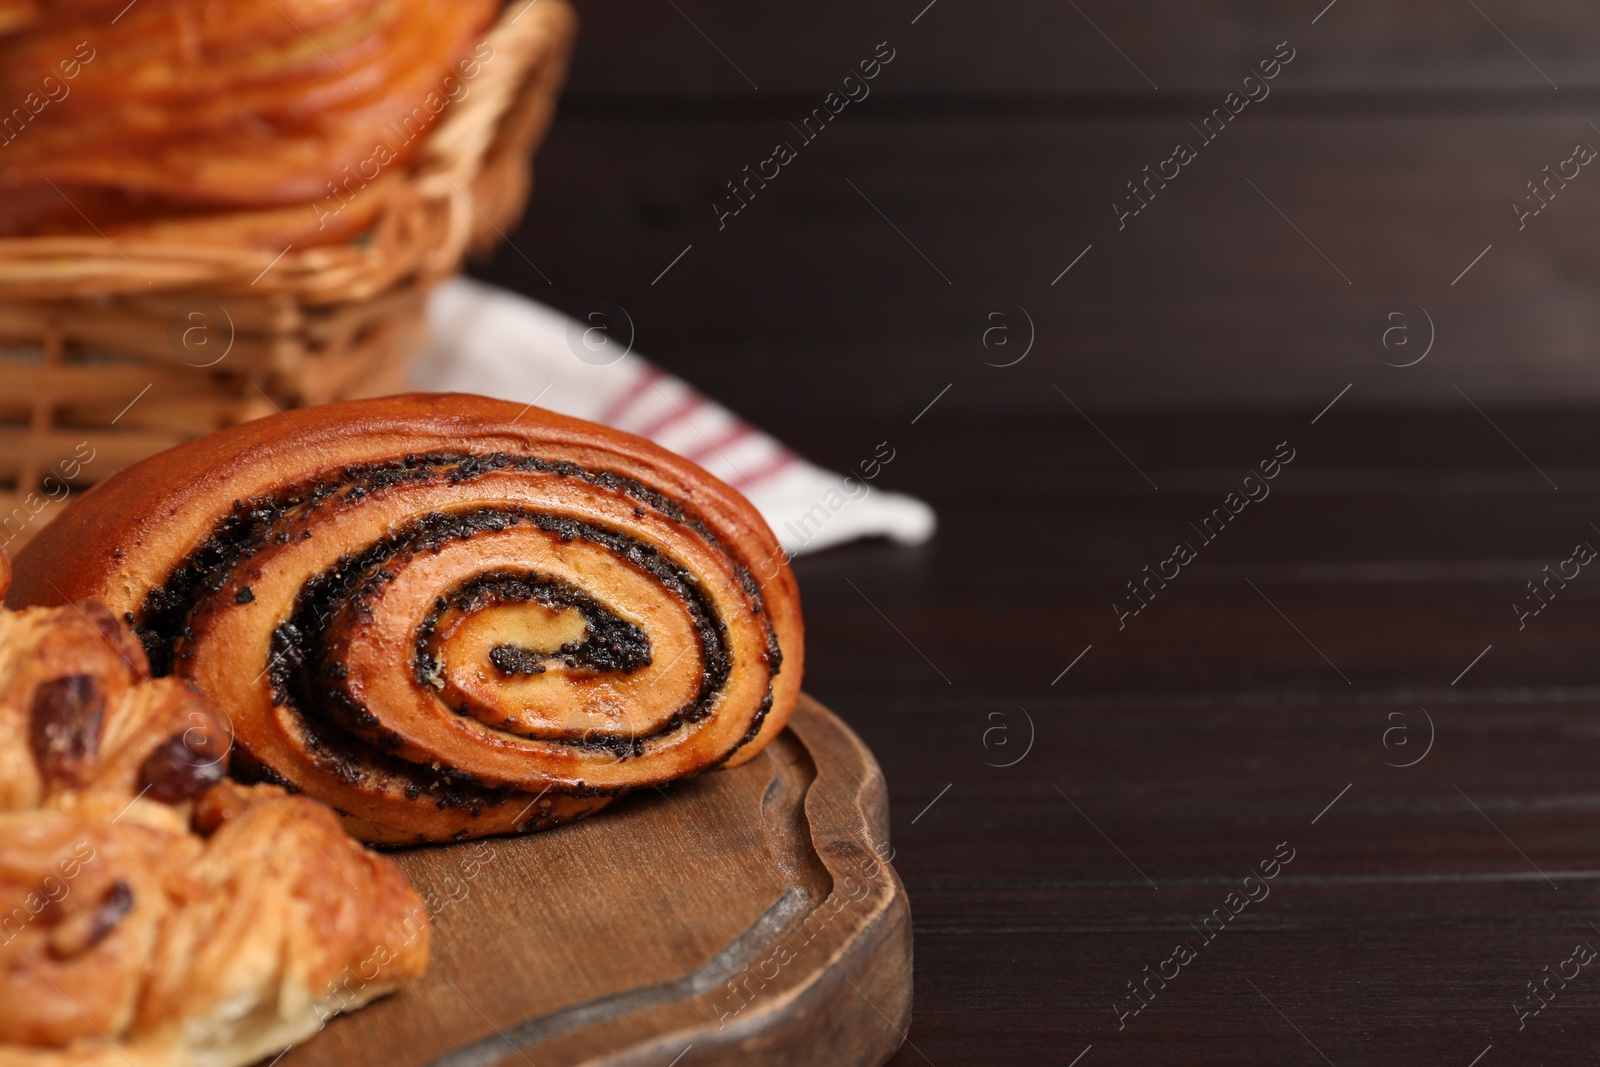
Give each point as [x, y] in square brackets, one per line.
[446, 616]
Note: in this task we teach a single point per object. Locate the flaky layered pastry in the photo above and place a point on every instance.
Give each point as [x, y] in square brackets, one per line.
[150, 911]
[446, 616]
[133, 118]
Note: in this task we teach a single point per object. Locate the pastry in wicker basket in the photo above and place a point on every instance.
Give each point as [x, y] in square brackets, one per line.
[174, 304]
[151, 912]
[156, 118]
[447, 616]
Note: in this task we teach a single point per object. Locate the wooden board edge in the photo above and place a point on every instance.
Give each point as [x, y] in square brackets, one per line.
[828, 977]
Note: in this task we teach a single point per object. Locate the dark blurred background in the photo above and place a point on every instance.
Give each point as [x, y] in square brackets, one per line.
[997, 141]
[1351, 237]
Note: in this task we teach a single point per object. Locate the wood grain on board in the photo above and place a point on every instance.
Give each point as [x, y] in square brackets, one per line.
[749, 915]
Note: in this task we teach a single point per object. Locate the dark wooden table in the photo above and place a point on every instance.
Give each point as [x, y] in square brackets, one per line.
[1361, 617]
[1358, 618]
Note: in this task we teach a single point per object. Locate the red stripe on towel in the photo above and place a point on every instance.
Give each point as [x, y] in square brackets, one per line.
[615, 410]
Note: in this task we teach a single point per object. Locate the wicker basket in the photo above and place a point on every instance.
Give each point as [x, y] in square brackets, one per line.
[109, 353]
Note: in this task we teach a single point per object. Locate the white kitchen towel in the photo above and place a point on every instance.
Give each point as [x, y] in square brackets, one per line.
[496, 343]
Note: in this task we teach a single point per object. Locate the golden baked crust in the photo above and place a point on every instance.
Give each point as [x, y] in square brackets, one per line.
[446, 615]
[84, 729]
[181, 950]
[173, 109]
[17, 15]
[126, 938]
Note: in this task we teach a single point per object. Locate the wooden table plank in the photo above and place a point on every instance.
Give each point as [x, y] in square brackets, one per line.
[1208, 296]
[646, 49]
[1209, 732]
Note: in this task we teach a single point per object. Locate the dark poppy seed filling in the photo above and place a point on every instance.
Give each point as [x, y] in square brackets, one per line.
[163, 620]
[309, 682]
[303, 677]
[610, 643]
[510, 660]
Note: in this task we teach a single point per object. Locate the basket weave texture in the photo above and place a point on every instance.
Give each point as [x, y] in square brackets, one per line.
[112, 349]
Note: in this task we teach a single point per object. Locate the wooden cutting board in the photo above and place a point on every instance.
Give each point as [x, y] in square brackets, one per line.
[746, 916]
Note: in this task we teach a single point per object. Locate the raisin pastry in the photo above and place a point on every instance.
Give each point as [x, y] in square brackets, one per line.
[150, 911]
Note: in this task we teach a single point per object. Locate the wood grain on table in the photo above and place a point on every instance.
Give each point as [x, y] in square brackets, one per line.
[1341, 613]
[1384, 161]
[1185, 748]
